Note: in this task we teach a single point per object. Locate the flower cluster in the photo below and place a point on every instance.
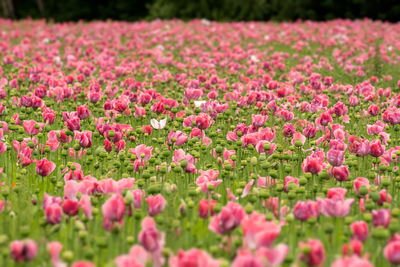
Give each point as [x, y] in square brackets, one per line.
[171, 143]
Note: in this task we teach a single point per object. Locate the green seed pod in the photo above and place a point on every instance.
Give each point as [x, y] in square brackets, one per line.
[302, 181]
[249, 208]
[363, 190]
[3, 239]
[67, 256]
[375, 196]
[88, 253]
[130, 239]
[380, 233]
[367, 217]
[328, 228]
[395, 212]
[298, 143]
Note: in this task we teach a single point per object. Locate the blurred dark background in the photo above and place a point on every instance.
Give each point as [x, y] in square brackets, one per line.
[220, 10]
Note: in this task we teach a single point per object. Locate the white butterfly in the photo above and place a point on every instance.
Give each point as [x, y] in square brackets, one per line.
[158, 124]
[206, 22]
[198, 103]
[254, 58]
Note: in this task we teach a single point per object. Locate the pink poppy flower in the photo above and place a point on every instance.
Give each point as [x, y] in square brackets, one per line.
[360, 230]
[54, 249]
[32, 127]
[298, 137]
[246, 259]
[376, 148]
[303, 210]
[138, 195]
[334, 207]
[340, 173]
[113, 211]
[180, 156]
[193, 257]
[316, 254]
[203, 121]
[313, 163]
[208, 178]
[73, 124]
[85, 138]
[86, 206]
[258, 120]
[177, 138]
[335, 157]
[149, 237]
[381, 217]
[70, 207]
[336, 193]
[359, 182]
[288, 180]
[228, 219]
[83, 112]
[206, 208]
[156, 204]
[392, 252]
[45, 167]
[258, 232]
[83, 264]
[23, 250]
[273, 256]
[352, 261]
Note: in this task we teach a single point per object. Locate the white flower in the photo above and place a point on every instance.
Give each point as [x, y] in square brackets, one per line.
[158, 124]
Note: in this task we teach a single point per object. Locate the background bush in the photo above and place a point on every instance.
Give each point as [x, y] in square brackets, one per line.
[221, 10]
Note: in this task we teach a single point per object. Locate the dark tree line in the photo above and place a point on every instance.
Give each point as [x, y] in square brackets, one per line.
[221, 10]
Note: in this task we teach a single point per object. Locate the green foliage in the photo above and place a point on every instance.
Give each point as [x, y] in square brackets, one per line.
[280, 10]
[219, 10]
[72, 10]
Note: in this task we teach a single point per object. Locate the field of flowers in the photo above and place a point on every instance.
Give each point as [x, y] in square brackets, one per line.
[203, 144]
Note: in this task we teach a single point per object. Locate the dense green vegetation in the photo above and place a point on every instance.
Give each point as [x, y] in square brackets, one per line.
[221, 10]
